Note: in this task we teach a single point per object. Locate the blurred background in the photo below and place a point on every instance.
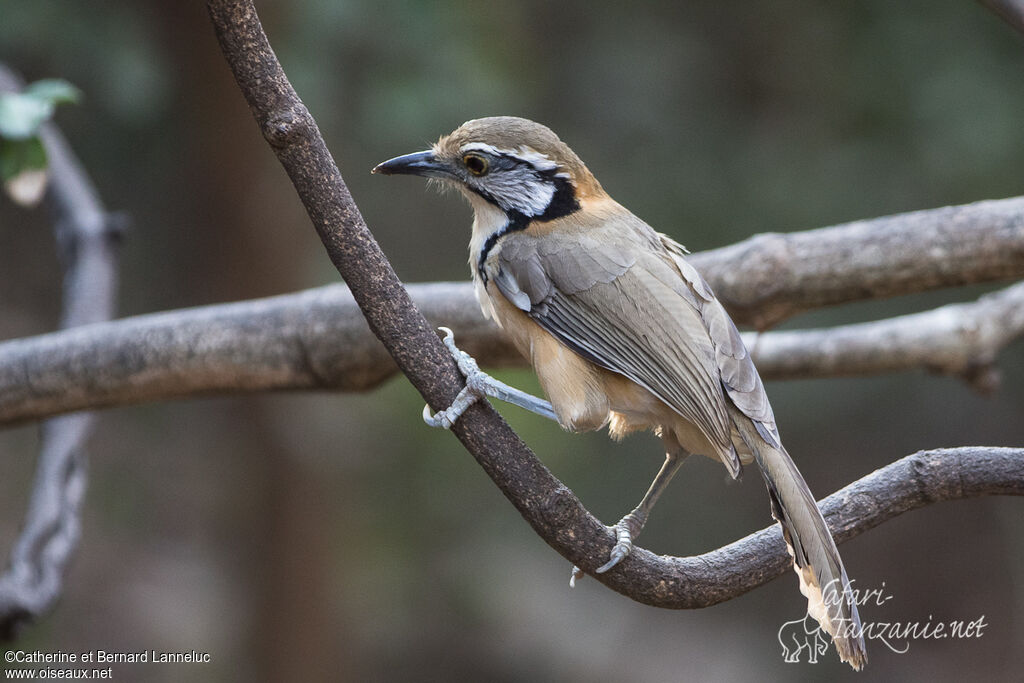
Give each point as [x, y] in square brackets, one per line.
[335, 537]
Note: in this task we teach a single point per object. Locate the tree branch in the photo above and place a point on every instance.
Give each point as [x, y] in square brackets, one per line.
[85, 235]
[771, 277]
[777, 274]
[957, 339]
[318, 339]
[550, 508]
[912, 482]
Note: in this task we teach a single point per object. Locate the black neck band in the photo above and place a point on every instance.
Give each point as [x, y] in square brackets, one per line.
[563, 202]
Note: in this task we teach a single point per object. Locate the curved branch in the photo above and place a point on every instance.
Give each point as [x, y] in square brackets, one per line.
[317, 339]
[909, 483]
[86, 237]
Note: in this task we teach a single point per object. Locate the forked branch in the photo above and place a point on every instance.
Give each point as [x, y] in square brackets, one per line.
[318, 339]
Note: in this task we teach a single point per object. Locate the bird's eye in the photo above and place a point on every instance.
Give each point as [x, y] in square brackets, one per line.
[476, 164]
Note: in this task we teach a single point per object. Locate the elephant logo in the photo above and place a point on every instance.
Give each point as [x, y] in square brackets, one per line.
[799, 635]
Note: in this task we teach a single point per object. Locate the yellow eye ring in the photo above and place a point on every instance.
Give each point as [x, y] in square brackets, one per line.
[476, 164]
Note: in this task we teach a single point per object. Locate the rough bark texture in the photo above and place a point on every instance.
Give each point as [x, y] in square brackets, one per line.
[771, 277]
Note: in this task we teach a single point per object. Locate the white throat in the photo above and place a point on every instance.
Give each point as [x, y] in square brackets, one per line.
[487, 220]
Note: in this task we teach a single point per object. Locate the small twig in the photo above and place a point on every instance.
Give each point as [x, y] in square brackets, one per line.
[85, 242]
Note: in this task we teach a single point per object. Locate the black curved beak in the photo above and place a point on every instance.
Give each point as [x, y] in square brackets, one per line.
[417, 163]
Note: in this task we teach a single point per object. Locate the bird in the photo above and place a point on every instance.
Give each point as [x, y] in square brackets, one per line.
[622, 331]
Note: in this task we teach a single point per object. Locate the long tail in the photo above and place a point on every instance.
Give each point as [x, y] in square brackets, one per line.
[816, 560]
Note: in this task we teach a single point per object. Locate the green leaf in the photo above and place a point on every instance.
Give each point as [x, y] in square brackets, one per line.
[17, 156]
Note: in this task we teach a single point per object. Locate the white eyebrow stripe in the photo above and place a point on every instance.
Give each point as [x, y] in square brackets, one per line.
[482, 147]
[541, 162]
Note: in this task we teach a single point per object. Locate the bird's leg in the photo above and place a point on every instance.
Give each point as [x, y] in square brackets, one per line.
[630, 526]
[479, 384]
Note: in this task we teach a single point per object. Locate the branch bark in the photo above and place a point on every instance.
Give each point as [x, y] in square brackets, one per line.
[771, 277]
[957, 339]
[912, 482]
[318, 339]
[86, 238]
[550, 508]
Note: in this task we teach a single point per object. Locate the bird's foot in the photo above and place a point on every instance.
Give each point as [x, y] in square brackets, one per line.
[470, 394]
[577, 573]
[478, 385]
[628, 528]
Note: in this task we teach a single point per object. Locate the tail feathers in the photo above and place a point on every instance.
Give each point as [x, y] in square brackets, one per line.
[816, 560]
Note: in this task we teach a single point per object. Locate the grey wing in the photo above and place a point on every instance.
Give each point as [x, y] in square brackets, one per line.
[740, 378]
[621, 304]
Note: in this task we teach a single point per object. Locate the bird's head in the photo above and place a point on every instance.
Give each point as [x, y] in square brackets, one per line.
[518, 166]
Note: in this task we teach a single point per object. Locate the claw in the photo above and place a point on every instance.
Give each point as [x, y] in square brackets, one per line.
[469, 395]
[442, 419]
[577, 573]
[467, 365]
[624, 533]
[447, 417]
[623, 547]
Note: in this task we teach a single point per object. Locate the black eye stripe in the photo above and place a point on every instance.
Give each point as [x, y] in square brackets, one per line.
[507, 162]
[563, 202]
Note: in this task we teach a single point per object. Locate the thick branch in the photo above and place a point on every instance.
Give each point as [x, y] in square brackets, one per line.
[86, 245]
[318, 339]
[771, 277]
[315, 339]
